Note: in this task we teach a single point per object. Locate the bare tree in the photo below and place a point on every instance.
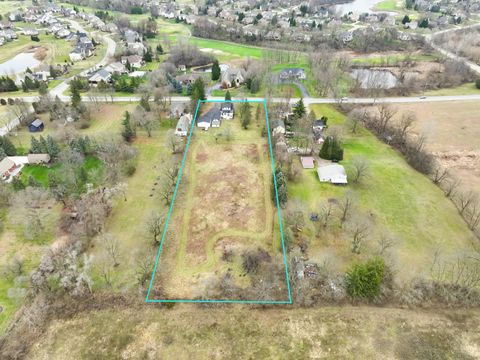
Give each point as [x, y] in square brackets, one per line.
[112, 248]
[155, 223]
[359, 230]
[345, 206]
[451, 186]
[439, 175]
[173, 142]
[464, 200]
[360, 169]
[385, 115]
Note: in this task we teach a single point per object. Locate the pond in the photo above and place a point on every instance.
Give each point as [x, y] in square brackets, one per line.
[374, 79]
[18, 64]
[356, 6]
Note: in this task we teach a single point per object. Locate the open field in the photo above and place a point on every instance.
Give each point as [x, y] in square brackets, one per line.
[453, 132]
[223, 205]
[239, 332]
[227, 49]
[394, 201]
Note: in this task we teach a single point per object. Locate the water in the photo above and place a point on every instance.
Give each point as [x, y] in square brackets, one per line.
[357, 6]
[18, 64]
[374, 79]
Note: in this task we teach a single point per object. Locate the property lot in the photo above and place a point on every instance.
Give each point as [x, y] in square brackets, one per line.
[223, 211]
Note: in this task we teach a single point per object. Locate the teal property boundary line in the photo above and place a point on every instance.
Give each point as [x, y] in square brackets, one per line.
[160, 248]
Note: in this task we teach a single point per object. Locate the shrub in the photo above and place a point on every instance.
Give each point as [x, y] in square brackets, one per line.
[477, 83]
[364, 280]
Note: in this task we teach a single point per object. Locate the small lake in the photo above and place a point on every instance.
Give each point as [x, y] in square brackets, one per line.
[374, 79]
[356, 6]
[18, 64]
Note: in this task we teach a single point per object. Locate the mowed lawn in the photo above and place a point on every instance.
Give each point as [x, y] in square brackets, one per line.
[227, 49]
[396, 200]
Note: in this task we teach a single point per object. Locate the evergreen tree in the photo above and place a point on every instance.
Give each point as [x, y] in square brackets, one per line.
[405, 20]
[76, 98]
[7, 146]
[216, 71]
[245, 114]
[35, 146]
[52, 148]
[159, 49]
[198, 93]
[17, 184]
[43, 145]
[147, 55]
[128, 133]
[128, 66]
[331, 149]
[32, 182]
[299, 109]
[228, 97]
[43, 88]
[281, 187]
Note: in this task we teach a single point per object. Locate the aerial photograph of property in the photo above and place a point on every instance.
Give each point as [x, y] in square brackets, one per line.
[239, 179]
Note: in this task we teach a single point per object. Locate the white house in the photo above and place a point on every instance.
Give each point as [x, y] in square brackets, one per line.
[334, 174]
[183, 125]
[226, 110]
[210, 119]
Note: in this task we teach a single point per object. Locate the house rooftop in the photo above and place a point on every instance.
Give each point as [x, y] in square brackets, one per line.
[334, 173]
[307, 162]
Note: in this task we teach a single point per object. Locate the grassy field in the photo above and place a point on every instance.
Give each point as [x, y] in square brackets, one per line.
[452, 134]
[223, 203]
[389, 5]
[389, 59]
[227, 50]
[394, 200]
[465, 89]
[190, 332]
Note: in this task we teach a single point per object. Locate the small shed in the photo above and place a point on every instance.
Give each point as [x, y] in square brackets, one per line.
[334, 174]
[36, 126]
[307, 162]
[38, 158]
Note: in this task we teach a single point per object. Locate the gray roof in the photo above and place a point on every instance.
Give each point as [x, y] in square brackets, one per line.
[213, 113]
[37, 123]
[334, 173]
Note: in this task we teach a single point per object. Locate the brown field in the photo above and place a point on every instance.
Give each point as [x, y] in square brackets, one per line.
[223, 204]
[452, 130]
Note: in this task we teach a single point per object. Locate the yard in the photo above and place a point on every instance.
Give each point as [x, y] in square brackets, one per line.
[394, 201]
[223, 205]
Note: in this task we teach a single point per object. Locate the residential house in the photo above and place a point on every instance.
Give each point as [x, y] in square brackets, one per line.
[233, 78]
[36, 126]
[135, 61]
[226, 110]
[136, 48]
[29, 31]
[293, 74]
[183, 125]
[62, 33]
[334, 174]
[116, 68]
[210, 119]
[7, 168]
[319, 125]
[278, 127]
[99, 76]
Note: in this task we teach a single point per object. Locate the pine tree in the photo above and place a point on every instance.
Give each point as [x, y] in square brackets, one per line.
[228, 97]
[245, 114]
[216, 71]
[43, 145]
[52, 148]
[128, 133]
[147, 56]
[128, 66]
[76, 98]
[159, 49]
[17, 184]
[43, 88]
[7, 146]
[281, 188]
[35, 146]
[331, 149]
[299, 109]
[32, 182]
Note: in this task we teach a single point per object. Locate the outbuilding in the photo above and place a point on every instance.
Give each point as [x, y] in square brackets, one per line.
[36, 126]
[334, 174]
[307, 162]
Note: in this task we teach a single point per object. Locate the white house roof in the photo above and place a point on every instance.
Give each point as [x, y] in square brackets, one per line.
[5, 165]
[334, 174]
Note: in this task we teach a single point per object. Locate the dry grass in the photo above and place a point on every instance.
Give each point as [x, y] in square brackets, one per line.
[453, 132]
[190, 332]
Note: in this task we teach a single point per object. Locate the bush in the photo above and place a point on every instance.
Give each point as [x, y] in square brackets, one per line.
[35, 38]
[364, 280]
[477, 83]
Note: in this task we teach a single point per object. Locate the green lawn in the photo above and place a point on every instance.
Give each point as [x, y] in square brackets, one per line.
[395, 198]
[388, 5]
[390, 60]
[228, 50]
[465, 89]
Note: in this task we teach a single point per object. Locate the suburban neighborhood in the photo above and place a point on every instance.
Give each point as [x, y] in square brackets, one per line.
[239, 179]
